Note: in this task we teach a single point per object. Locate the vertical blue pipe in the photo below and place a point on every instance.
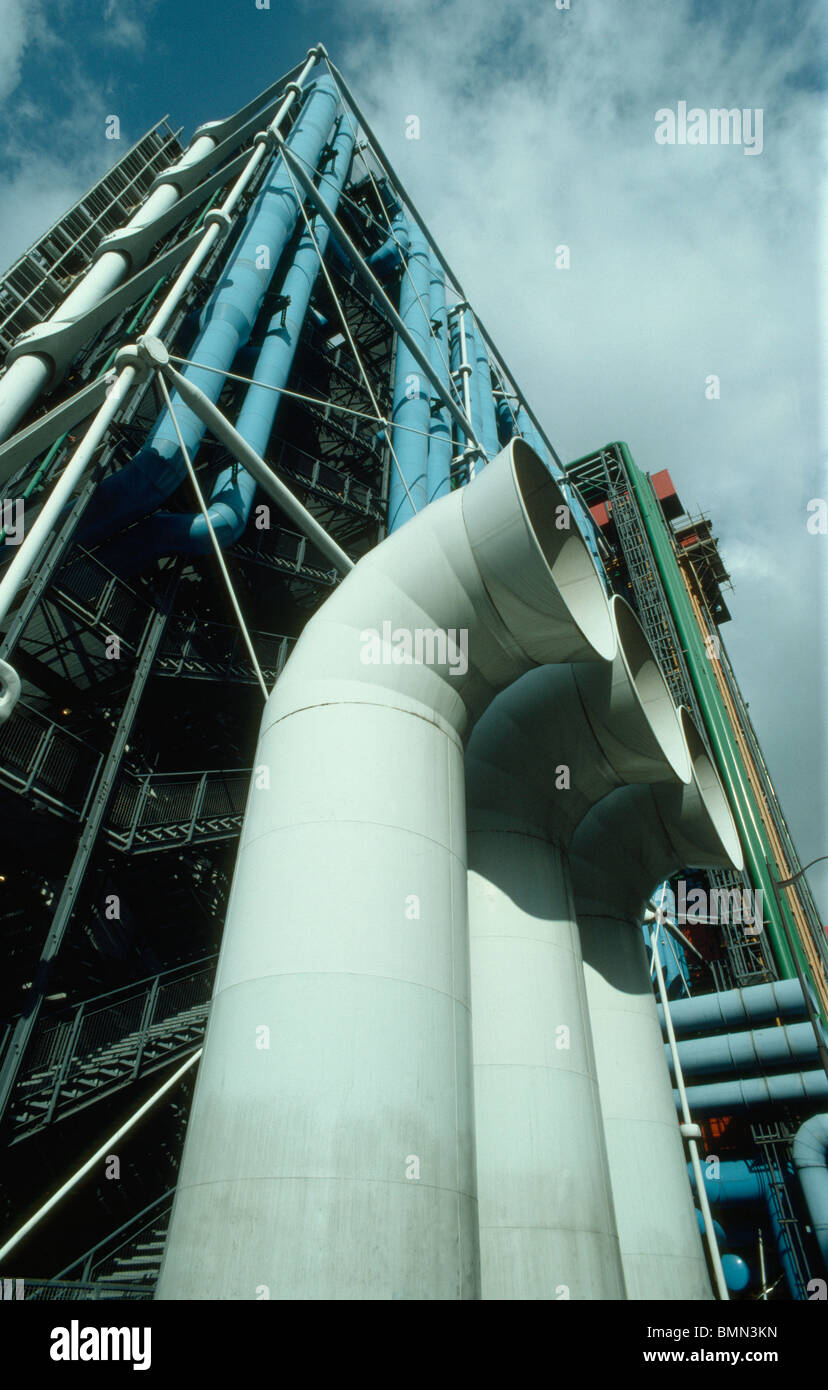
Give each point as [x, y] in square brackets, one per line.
[168, 533]
[228, 318]
[456, 361]
[412, 395]
[440, 448]
[486, 424]
[388, 257]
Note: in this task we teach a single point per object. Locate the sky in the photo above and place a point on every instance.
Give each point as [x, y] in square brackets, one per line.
[537, 129]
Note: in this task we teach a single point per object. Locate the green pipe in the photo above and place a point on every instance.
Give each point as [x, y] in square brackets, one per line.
[756, 848]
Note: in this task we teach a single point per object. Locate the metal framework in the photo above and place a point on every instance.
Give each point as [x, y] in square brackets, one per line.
[125, 766]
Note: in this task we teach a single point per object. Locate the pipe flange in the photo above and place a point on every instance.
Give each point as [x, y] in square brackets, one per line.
[217, 217]
[293, 89]
[266, 138]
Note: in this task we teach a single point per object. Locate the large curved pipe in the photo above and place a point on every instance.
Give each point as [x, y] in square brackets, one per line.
[334, 1158]
[810, 1155]
[519, 422]
[158, 468]
[170, 533]
[629, 842]
[733, 1009]
[546, 750]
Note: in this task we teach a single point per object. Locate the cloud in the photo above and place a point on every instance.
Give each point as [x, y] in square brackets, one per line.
[537, 130]
[17, 19]
[121, 28]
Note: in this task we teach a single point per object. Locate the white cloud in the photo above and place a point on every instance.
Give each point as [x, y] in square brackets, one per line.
[537, 128]
[121, 27]
[16, 23]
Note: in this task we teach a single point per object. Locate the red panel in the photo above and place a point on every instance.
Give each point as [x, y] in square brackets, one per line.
[663, 485]
[600, 514]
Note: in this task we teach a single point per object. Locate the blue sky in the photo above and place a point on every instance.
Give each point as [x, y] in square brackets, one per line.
[537, 128]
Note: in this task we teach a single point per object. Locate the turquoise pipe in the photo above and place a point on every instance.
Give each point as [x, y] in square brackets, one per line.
[440, 448]
[733, 1009]
[175, 533]
[748, 1093]
[228, 318]
[486, 424]
[411, 411]
[736, 1182]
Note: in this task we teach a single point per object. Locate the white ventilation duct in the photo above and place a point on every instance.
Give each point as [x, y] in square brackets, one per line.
[634, 839]
[330, 1148]
[547, 749]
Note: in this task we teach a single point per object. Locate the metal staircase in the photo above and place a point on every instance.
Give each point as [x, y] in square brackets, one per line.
[125, 1264]
[168, 810]
[101, 1045]
[154, 810]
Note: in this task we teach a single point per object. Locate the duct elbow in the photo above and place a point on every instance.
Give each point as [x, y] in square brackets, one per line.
[356, 820]
[562, 738]
[477, 588]
[641, 835]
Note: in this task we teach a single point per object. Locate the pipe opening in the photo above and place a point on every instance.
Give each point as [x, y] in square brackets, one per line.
[564, 550]
[651, 688]
[711, 790]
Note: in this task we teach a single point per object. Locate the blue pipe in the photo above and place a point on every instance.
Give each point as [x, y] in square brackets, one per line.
[737, 1182]
[388, 257]
[440, 447]
[158, 468]
[810, 1154]
[456, 361]
[485, 426]
[737, 1008]
[732, 1097]
[747, 1053]
[168, 533]
[412, 394]
[671, 952]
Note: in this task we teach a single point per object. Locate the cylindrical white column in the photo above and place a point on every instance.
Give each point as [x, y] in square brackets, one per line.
[547, 1228]
[628, 843]
[546, 750]
[657, 1225]
[339, 1031]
